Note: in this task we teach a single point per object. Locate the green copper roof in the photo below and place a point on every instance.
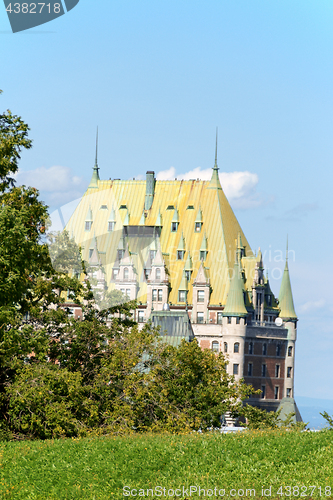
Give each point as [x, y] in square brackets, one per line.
[175, 217]
[199, 216]
[181, 245]
[288, 406]
[188, 263]
[158, 222]
[112, 217]
[203, 247]
[127, 219]
[183, 284]
[142, 220]
[235, 299]
[89, 215]
[286, 302]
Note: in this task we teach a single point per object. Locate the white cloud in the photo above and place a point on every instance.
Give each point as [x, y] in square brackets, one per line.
[239, 187]
[56, 184]
[313, 305]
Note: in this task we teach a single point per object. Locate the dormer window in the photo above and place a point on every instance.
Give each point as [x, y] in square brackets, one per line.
[174, 227]
[91, 251]
[158, 274]
[182, 296]
[111, 225]
[180, 254]
[269, 300]
[197, 227]
[115, 273]
[88, 225]
[126, 273]
[120, 254]
[147, 272]
[188, 275]
[203, 254]
[152, 254]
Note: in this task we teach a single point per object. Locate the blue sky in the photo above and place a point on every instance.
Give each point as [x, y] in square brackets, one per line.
[157, 77]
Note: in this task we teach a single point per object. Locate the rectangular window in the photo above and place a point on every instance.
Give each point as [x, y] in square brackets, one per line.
[128, 293]
[289, 372]
[215, 346]
[277, 371]
[263, 370]
[249, 369]
[188, 275]
[141, 316]
[219, 318]
[115, 273]
[111, 225]
[87, 226]
[251, 348]
[263, 392]
[225, 347]
[147, 272]
[229, 320]
[197, 227]
[174, 227]
[288, 393]
[236, 347]
[160, 295]
[154, 295]
[180, 254]
[235, 369]
[264, 349]
[290, 350]
[201, 296]
[120, 254]
[182, 296]
[237, 320]
[276, 392]
[202, 255]
[200, 317]
[278, 350]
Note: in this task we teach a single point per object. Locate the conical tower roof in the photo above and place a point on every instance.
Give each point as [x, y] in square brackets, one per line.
[112, 216]
[181, 244]
[235, 299]
[286, 302]
[89, 215]
[183, 284]
[188, 263]
[199, 216]
[175, 217]
[158, 222]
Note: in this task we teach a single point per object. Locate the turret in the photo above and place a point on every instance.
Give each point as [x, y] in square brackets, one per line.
[289, 317]
[234, 324]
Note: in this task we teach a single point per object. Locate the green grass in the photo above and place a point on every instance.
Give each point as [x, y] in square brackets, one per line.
[99, 468]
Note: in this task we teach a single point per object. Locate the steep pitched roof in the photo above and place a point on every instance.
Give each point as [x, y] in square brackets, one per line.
[235, 300]
[286, 302]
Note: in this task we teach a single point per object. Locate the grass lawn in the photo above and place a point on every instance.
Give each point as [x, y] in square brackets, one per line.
[99, 468]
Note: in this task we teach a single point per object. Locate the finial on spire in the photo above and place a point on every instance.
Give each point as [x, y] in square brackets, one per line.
[96, 161]
[287, 249]
[215, 165]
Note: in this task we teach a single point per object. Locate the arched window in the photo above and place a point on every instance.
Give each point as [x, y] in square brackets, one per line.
[215, 346]
[158, 274]
[225, 346]
[126, 273]
[236, 347]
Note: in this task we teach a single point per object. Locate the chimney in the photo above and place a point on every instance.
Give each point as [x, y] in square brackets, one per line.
[150, 188]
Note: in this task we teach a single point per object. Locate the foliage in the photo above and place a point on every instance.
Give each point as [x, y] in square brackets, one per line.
[328, 419]
[100, 467]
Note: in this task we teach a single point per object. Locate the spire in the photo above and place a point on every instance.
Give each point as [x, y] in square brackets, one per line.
[181, 245]
[215, 180]
[95, 176]
[286, 302]
[184, 283]
[188, 263]
[158, 222]
[199, 215]
[235, 301]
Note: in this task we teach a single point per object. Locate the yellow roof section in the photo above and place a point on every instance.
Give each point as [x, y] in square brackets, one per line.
[127, 200]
